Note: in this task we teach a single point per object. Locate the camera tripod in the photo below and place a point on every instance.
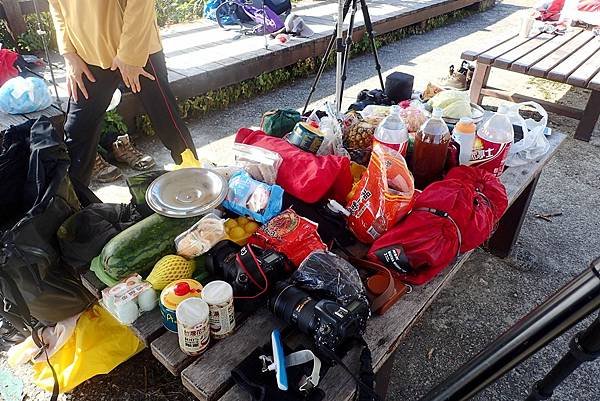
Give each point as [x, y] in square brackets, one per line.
[343, 48]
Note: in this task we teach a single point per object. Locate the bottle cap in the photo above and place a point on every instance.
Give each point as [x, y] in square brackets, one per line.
[192, 311]
[217, 292]
[182, 289]
[395, 109]
[437, 113]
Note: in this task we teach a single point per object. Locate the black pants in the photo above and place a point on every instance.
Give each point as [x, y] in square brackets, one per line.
[85, 116]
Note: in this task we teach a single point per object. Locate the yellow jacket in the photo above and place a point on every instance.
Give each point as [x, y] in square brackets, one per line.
[99, 30]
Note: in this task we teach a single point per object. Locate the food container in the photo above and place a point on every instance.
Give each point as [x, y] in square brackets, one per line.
[306, 137]
[234, 228]
[219, 297]
[193, 329]
[173, 294]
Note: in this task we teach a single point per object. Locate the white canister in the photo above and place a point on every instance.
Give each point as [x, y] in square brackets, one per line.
[193, 326]
[219, 297]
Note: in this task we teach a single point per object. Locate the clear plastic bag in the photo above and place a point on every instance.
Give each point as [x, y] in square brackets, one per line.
[249, 197]
[330, 126]
[534, 143]
[24, 95]
[201, 236]
[261, 164]
[332, 276]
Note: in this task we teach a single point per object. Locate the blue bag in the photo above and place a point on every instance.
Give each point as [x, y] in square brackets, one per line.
[24, 95]
[227, 13]
[249, 197]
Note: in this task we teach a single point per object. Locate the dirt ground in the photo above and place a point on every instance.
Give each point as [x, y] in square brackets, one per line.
[489, 294]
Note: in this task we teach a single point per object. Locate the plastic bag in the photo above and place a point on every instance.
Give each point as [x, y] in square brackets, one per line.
[248, 197]
[333, 144]
[24, 95]
[129, 298]
[534, 143]
[99, 344]
[261, 164]
[290, 234]
[201, 236]
[413, 114]
[382, 197]
[331, 275]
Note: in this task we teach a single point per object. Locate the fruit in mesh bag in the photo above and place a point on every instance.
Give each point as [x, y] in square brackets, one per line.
[168, 269]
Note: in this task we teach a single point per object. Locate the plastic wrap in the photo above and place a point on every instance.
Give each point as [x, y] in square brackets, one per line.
[261, 164]
[249, 197]
[332, 276]
[330, 126]
[201, 236]
[24, 95]
[414, 114]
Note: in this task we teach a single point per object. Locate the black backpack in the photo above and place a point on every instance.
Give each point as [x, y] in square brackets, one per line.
[35, 287]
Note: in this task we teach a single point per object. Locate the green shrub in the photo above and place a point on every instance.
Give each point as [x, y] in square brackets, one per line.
[176, 11]
[30, 41]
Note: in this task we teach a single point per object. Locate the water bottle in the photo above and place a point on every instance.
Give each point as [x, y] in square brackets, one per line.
[492, 143]
[392, 132]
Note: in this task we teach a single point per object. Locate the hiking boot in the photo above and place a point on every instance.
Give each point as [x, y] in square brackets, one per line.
[104, 172]
[9, 334]
[455, 79]
[125, 152]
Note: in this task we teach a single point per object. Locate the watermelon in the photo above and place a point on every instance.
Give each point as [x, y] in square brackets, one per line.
[139, 247]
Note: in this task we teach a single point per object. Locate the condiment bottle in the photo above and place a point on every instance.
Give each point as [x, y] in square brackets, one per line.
[492, 143]
[464, 135]
[392, 132]
[431, 147]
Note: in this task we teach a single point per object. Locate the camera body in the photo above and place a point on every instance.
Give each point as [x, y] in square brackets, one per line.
[248, 269]
[327, 322]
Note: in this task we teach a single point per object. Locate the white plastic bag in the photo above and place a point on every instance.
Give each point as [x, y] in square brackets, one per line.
[534, 143]
[261, 164]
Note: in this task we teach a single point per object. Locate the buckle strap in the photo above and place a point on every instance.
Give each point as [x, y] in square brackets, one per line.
[446, 215]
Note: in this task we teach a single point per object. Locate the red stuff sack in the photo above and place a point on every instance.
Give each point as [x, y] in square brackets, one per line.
[304, 175]
[7, 65]
[450, 217]
[382, 197]
[290, 234]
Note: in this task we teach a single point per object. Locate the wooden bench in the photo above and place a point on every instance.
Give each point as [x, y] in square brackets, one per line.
[573, 58]
[208, 376]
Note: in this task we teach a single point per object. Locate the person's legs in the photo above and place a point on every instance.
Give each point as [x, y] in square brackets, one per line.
[84, 122]
[161, 106]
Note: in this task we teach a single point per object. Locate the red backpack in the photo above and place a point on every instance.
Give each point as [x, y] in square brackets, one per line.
[450, 217]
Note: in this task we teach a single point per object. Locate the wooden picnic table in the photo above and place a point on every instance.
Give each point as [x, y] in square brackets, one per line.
[208, 376]
[572, 58]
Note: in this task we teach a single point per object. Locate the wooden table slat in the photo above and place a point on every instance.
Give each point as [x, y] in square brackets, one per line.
[489, 56]
[506, 60]
[563, 70]
[523, 64]
[595, 83]
[541, 68]
[472, 55]
[584, 74]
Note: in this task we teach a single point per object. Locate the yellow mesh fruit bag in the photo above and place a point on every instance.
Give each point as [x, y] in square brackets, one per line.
[168, 269]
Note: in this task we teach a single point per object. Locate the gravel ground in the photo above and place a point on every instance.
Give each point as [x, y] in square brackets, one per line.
[489, 294]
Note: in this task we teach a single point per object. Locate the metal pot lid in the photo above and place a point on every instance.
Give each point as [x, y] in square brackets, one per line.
[188, 192]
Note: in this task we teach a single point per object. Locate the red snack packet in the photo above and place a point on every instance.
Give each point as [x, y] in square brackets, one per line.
[288, 233]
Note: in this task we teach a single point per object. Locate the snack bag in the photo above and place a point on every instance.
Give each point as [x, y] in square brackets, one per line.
[248, 197]
[290, 234]
[382, 197]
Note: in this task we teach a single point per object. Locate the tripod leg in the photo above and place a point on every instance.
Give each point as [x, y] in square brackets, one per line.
[321, 69]
[347, 48]
[369, 30]
[584, 347]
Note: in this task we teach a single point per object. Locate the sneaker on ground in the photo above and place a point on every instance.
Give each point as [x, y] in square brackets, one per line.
[104, 172]
[125, 152]
[455, 80]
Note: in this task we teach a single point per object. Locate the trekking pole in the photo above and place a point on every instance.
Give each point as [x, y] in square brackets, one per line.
[265, 25]
[567, 307]
[43, 34]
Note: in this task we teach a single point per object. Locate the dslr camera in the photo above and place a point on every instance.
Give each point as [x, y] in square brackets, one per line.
[327, 322]
[249, 269]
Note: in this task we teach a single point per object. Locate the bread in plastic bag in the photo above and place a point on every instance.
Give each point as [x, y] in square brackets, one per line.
[202, 236]
[261, 164]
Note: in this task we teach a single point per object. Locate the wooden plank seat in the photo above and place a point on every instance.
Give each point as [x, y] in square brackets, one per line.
[208, 376]
[572, 58]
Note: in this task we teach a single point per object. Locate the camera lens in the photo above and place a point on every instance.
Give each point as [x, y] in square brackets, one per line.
[294, 306]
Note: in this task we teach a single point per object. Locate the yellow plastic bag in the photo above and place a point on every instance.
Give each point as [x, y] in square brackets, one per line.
[187, 160]
[99, 344]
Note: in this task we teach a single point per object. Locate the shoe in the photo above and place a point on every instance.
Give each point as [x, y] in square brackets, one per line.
[456, 79]
[104, 172]
[125, 152]
[9, 334]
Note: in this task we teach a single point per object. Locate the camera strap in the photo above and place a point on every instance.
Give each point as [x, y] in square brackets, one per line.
[248, 262]
[298, 358]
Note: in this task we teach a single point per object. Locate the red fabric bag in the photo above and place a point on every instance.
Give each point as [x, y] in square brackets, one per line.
[450, 217]
[304, 175]
[552, 13]
[7, 65]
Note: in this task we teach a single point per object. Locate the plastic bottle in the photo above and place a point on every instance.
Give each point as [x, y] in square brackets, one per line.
[492, 143]
[464, 135]
[392, 132]
[431, 147]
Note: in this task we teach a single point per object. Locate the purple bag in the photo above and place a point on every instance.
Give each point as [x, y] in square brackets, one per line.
[270, 20]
